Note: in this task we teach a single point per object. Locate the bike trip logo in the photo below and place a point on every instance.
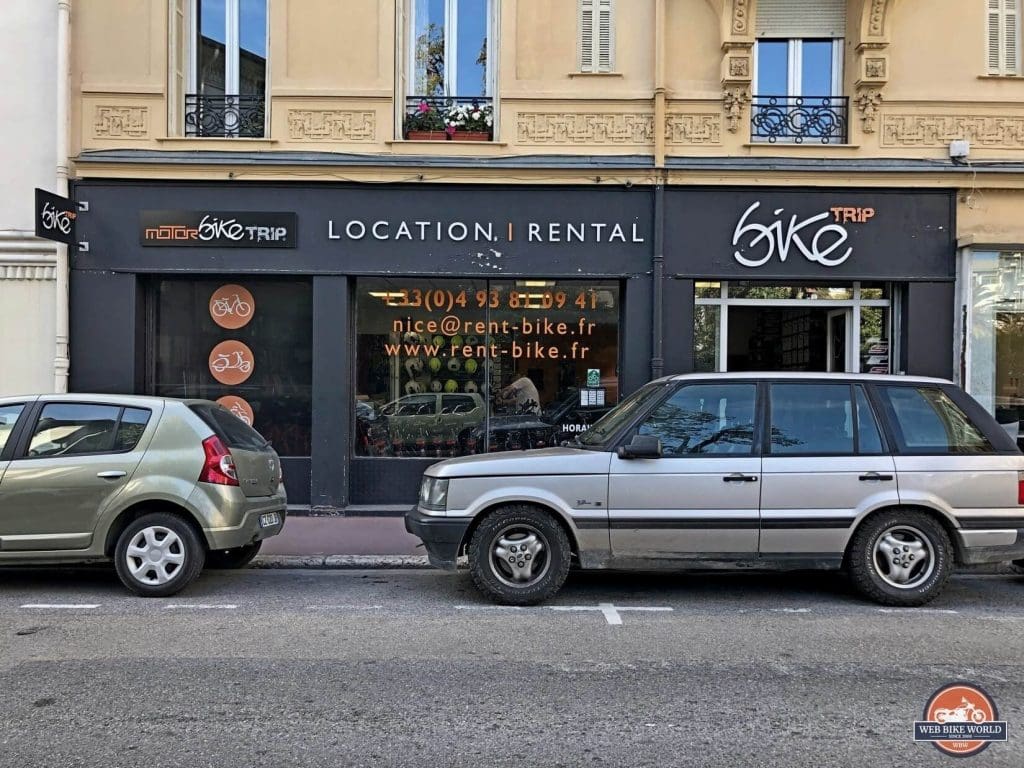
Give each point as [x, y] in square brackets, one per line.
[232, 306]
[222, 229]
[961, 720]
[231, 362]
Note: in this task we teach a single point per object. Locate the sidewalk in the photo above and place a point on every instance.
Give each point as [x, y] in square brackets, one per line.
[310, 536]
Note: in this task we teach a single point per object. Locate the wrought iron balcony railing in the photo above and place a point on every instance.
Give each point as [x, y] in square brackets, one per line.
[455, 118]
[797, 119]
[225, 116]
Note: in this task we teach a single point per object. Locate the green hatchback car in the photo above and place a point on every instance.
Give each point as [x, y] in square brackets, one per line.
[161, 486]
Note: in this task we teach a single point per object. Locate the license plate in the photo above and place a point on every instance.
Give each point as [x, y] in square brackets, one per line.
[270, 519]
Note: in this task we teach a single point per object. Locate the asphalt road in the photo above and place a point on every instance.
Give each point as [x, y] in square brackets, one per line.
[412, 668]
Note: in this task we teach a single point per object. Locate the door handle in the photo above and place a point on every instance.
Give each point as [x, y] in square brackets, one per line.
[739, 477]
[111, 474]
[868, 476]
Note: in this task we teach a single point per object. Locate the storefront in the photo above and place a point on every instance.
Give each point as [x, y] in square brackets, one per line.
[368, 331]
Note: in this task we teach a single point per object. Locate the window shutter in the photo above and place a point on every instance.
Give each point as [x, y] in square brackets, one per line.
[1011, 38]
[801, 18]
[177, 55]
[597, 36]
[995, 37]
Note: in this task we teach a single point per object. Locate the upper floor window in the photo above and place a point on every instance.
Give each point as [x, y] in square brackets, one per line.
[1004, 37]
[597, 41]
[798, 72]
[227, 69]
[450, 71]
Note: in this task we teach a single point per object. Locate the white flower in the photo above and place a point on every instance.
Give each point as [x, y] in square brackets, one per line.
[488, 120]
[476, 115]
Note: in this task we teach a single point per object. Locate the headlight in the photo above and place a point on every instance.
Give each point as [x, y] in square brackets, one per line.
[434, 493]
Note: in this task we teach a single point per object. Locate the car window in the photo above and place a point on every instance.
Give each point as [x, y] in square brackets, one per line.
[130, 428]
[705, 419]
[869, 437]
[811, 418]
[65, 429]
[234, 432]
[928, 421]
[619, 416]
[457, 404]
[8, 418]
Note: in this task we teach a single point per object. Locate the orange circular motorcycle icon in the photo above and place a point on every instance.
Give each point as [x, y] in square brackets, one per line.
[231, 362]
[232, 306]
[238, 406]
[961, 703]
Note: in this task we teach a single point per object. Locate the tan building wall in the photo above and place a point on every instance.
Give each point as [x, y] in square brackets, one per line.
[914, 71]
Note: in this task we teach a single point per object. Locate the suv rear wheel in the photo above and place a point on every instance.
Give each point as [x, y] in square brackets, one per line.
[519, 555]
[901, 558]
[158, 555]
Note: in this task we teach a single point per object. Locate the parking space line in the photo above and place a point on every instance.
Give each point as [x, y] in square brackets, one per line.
[344, 607]
[47, 606]
[611, 612]
[488, 607]
[200, 606]
[946, 611]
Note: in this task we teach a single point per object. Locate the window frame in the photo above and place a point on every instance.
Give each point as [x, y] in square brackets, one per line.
[756, 445]
[232, 58]
[7, 451]
[28, 432]
[794, 66]
[595, 66]
[451, 52]
[894, 431]
[1002, 12]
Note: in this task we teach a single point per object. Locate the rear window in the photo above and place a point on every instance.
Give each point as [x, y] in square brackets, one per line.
[928, 421]
[232, 430]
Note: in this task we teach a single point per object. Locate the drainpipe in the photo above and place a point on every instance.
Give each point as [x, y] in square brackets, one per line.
[658, 258]
[62, 362]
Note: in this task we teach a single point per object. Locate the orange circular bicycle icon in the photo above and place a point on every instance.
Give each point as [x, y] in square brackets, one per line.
[232, 306]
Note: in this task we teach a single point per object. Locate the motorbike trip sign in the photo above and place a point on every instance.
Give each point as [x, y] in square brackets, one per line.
[55, 217]
[960, 719]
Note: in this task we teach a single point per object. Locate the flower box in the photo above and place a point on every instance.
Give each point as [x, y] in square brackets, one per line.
[471, 136]
[426, 136]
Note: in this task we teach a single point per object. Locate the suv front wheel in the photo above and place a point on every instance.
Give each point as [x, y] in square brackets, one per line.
[901, 558]
[519, 555]
[158, 555]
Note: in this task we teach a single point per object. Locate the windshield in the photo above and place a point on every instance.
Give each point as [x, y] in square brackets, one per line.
[621, 414]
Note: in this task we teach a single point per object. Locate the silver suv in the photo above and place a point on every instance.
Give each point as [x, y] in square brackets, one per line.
[895, 479]
[161, 486]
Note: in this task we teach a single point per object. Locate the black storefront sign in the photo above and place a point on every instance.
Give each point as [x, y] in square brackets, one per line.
[217, 229]
[827, 234]
[55, 217]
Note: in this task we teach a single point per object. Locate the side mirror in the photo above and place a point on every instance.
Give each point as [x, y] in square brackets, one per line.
[641, 447]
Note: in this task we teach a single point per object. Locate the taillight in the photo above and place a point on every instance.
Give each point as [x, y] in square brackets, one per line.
[1020, 488]
[219, 467]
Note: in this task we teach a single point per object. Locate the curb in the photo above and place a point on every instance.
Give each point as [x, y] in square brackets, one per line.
[340, 562]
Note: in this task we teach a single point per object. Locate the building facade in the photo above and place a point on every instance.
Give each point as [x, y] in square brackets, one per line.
[390, 231]
[28, 154]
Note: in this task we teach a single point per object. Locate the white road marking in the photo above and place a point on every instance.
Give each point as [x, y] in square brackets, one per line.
[488, 607]
[61, 605]
[918, 610]
[612, 613]
[200, 606]
[344, 607]
[791, 610]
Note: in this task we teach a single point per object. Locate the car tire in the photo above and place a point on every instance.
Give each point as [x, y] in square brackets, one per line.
[914, 580]
[177, 559]
[539, 545]
[230, 559]
[1017, 566]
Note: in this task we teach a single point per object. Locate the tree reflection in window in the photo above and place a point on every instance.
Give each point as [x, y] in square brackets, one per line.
[705, 419]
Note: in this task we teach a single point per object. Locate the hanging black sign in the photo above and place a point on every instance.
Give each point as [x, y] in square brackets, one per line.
[217, 229]
[55, 217]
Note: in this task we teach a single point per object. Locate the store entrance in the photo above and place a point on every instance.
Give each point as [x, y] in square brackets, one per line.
[789, 339]
[760, 326]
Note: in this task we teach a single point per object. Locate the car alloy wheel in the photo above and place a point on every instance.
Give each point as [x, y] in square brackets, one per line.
[519, 555]
[155, 555]
[903, 557]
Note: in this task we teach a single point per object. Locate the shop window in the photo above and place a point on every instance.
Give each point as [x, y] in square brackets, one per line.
[449, 78]
[245, 344]
[455, 367]
[220, 66]
[996, 343]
